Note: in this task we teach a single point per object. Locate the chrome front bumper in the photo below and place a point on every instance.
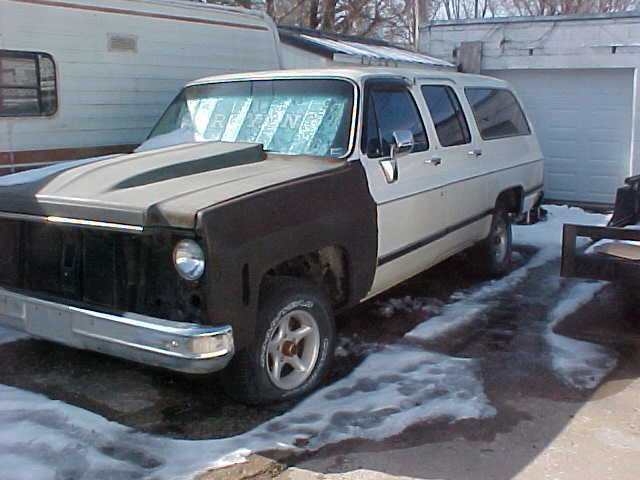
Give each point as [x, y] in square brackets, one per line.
[184, 347]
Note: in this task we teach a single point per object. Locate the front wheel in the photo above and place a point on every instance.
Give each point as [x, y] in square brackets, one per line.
[295, 340]
[492, 256]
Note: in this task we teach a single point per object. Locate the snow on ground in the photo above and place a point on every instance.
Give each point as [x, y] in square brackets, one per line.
[395, 386]
[390, 390]
[578, 364]
[546, 236]
[390, 307]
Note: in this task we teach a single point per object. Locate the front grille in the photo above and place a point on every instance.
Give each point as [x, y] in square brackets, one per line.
[106, 270]
[70, 263]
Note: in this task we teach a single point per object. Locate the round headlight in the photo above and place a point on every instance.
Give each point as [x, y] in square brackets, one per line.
[188, 258]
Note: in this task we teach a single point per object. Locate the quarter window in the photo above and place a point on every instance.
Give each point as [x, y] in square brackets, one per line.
[446, 112]
[27, 84]
[497, 113]
[390, 110]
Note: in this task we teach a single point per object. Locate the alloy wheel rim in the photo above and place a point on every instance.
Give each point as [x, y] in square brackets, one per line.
[293, 349]
[500, 242]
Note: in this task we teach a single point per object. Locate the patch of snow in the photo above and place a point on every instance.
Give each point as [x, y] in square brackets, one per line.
[8, 335]
[347, 346]
[388, 308]
[233, 458]
[389, 391]
[579, 364]
[545, 236]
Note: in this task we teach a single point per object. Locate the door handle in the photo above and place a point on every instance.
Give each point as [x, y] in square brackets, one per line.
[476, 152]
[435, 161]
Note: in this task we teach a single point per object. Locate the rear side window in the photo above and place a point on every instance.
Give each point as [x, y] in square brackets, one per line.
[27, 84]
[390, 110]
[448, 118]
[497, 113]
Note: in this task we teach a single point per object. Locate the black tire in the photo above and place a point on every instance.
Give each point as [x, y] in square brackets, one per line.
[492, 256]
[287, 305]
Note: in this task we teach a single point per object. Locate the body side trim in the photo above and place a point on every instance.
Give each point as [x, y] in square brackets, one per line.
[431, 238]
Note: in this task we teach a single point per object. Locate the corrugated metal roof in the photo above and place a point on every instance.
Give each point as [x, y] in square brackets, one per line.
[329, 44]
[632, 15]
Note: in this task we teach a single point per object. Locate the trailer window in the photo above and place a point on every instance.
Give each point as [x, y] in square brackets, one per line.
[27, 84]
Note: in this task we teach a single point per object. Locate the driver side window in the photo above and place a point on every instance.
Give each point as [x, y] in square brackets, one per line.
[389, 110]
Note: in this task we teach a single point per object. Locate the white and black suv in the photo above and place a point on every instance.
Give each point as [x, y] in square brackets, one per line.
[260, 205]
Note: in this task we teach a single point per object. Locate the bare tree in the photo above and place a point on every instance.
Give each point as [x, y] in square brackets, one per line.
[396, 20]
[566, 7]
[457, 9]
[392, 20]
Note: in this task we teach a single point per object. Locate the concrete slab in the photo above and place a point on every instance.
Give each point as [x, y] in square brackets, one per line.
[602, 439]
[361, 474]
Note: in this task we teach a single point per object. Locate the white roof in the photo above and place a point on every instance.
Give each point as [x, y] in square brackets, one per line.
[380, 52]
[358, 74]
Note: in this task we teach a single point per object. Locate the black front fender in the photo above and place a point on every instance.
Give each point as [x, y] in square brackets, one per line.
[248, 235]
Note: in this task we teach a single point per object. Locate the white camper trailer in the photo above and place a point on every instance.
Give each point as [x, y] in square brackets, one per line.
[81, 78]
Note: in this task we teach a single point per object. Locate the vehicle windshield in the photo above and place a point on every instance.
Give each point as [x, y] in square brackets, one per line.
[294, 117]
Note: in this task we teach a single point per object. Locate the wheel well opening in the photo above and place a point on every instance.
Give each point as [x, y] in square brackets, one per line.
[511, 200]
[326, 267]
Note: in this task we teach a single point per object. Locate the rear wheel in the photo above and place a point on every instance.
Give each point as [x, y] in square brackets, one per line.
[295, 340]
[492, 256]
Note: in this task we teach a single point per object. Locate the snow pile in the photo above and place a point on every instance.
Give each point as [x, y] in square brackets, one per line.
[579, 364]
[389, 391]
[466, 310]
[47, 439]
[545, 236]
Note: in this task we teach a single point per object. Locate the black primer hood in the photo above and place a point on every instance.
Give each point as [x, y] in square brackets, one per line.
[163, 187]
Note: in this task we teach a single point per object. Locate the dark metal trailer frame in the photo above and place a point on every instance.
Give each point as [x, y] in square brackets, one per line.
[577, 263]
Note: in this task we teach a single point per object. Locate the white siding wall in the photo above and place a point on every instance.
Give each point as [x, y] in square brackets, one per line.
[583, 121]
[110, 98]
[555, 43]
[581, 93]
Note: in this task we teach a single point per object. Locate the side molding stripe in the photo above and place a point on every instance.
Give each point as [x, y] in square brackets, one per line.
[430, 239]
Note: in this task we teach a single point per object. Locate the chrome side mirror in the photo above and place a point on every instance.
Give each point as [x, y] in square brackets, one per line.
[402, 145]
